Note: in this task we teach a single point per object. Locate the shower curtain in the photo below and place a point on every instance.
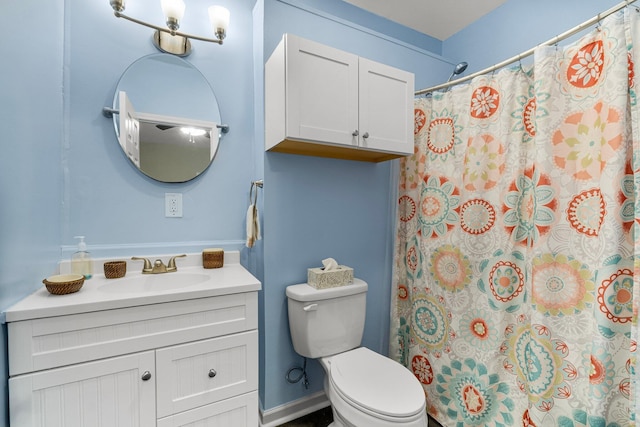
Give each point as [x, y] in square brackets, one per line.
[517, 253]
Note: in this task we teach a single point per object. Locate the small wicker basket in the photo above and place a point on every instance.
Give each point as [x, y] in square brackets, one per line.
[213, 258]
[115, 269]
[64, 284]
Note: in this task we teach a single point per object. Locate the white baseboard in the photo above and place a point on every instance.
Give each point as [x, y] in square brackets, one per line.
[292, 410]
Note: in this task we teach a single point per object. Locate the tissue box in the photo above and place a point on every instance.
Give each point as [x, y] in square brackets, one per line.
[321, 279]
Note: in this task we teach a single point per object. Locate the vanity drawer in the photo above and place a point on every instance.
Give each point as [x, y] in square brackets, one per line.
[237, 411]
[39, 344]
[196, 374]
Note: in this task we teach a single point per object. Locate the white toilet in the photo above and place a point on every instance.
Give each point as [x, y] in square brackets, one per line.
[365, 388]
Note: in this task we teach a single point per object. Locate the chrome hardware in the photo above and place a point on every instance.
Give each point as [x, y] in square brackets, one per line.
[355, 133]
[146, 376]
[212, 373]
[365, 135]
[158, 266]
[310, 307]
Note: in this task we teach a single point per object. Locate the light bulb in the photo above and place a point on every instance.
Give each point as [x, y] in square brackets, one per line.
[173, 11]
[219, 17]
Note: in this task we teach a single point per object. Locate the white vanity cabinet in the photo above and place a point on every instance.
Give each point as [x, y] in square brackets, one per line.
[325, 102]
[166, 364]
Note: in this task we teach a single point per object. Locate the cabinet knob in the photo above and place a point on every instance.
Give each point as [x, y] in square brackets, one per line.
[212, 373]
[365, 135]
[146, 376]
[355, 133]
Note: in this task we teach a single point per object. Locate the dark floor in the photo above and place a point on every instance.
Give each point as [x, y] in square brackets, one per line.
[320, 418]
[324, 417]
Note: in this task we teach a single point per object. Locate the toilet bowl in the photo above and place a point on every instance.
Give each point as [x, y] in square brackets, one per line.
[368, 389]
[365, 388]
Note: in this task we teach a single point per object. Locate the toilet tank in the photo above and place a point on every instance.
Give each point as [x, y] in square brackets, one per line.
[328, 321]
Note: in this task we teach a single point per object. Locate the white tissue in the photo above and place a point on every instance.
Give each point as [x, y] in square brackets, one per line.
[330, 264]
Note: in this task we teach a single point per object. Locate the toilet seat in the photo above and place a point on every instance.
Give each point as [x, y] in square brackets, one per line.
[376, 385]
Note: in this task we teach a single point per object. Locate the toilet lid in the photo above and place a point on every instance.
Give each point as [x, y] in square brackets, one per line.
[377, 383]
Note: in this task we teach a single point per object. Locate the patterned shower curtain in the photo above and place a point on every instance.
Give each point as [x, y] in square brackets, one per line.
[518, 254]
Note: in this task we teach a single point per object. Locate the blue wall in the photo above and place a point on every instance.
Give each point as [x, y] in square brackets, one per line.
[63, 173]
[31, 122]
[316, 208]
[517, 26]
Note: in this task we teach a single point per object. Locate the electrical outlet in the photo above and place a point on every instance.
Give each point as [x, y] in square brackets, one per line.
[173, 205]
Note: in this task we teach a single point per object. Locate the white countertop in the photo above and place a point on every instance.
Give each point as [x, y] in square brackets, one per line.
[100, 293]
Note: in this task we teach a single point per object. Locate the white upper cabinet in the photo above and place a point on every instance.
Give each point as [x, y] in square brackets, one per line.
[325, 102]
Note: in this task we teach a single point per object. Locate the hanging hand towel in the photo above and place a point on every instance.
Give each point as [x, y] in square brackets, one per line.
[253, 226]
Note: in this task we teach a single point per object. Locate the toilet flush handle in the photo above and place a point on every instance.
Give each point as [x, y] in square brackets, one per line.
[310, 307]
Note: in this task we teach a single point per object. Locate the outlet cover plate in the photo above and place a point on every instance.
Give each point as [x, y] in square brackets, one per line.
[173, 205]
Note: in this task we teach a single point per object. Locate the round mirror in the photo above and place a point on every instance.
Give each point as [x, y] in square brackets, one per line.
[168, 118]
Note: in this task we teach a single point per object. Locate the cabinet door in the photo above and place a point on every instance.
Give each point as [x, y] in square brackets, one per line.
[105, 393]
[386, 108]
[203, 372]
[239, 411]
[321, 93]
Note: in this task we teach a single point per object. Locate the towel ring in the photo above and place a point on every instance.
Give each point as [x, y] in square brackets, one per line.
[253, 197]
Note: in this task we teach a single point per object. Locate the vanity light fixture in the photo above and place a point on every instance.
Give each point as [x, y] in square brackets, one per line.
[169, 39]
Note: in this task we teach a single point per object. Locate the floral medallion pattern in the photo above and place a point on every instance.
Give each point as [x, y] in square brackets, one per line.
[586, 212]
[431, 322]
[403, 292]
[477, 216]
[585, 141]
[615, 297]
[528, 111]
[473, 397]
[529, 207]
[539, 364]
[600, 369]
[439, 206]
[450, 269]
[515, 297]
[420, 120]
[625, 207]
[561, 285]
[422, 369]
[442, 135]
[484, 102]
[586, 66]
[479, 329]
[483, 163]
[407, 209]
[503, 279]
[413, 259]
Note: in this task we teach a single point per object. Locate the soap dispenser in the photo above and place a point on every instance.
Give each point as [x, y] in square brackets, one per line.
[81, 262]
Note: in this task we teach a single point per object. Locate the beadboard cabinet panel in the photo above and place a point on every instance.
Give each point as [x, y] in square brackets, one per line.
[105, 393]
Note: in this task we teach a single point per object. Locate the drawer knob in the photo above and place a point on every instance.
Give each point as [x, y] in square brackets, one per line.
[146, 376]
[355, 133]
[365, 135]
[212, 373]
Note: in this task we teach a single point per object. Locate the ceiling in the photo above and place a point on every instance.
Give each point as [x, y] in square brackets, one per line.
[437, 18]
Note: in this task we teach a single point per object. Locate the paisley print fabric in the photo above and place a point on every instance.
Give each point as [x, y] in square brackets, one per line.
[517, 261]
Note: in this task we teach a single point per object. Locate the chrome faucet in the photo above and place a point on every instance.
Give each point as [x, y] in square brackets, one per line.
[158, 266]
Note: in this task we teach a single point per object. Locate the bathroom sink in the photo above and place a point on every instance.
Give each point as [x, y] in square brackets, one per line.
[154, 282]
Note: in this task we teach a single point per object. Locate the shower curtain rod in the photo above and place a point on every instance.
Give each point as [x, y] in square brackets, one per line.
[529, 52]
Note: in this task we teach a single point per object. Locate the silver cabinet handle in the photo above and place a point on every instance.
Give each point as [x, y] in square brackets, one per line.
[146, 376]
[366, 135]
[355, 133]
[212, 373]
